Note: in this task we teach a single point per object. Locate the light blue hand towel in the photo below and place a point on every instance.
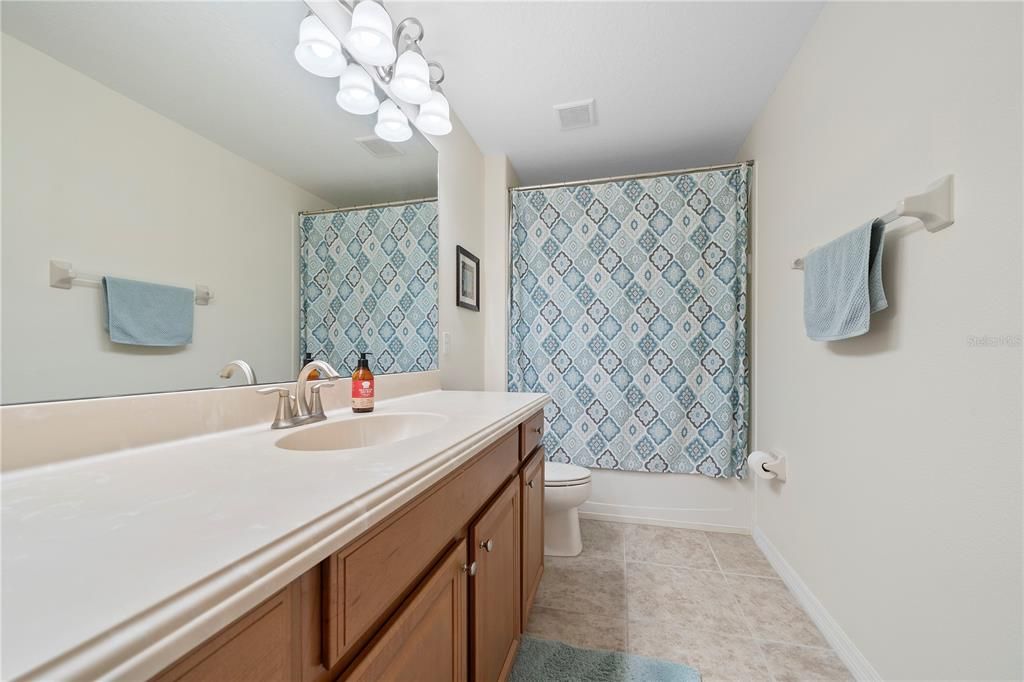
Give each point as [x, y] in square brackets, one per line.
[145, 314]
[843, 284]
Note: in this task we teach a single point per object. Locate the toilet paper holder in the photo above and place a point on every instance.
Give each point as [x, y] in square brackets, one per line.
[768, 465]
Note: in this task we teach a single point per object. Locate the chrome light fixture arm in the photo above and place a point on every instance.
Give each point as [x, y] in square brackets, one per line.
[410, 32]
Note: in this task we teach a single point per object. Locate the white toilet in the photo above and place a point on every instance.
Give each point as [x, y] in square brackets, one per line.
[566, 487]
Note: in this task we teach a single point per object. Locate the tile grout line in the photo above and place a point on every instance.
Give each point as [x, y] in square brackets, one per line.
[702, 570]
[765, 640]
[757, 642]
[625, 587]
[743, 614]
[714, 554]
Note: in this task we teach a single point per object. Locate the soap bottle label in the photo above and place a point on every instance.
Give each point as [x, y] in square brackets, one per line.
[362, 393]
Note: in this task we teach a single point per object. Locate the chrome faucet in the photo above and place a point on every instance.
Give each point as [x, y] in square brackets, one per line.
[326, 372]
[295, 410]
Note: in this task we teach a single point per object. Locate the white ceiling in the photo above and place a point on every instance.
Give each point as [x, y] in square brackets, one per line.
[225, 70]
[677, 84]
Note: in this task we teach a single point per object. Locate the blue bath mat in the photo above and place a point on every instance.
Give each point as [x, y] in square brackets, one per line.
[542, 660]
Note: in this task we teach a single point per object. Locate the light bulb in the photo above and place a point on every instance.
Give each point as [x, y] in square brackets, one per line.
[434, 117]
[392, 125]
[369, 39]
[356, 94]
[319, 51]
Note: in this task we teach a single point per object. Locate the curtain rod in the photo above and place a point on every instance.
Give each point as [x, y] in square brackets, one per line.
[635, 176]
[367, 206]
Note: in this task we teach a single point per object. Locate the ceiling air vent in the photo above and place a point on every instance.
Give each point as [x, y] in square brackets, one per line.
[382, 149]
[576, 114]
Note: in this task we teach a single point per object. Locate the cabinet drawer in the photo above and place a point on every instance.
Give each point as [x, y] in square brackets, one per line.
[366, 580]
[531, 433]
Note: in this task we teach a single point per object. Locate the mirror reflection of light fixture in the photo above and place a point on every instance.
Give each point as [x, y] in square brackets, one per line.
[434, 117]
[392, 125]
[369, 39]
[319, 51]
[356, 93]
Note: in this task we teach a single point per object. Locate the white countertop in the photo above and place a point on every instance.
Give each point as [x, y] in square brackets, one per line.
[116, 565]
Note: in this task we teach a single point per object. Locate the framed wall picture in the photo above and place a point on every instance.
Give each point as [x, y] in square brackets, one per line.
[467, 279]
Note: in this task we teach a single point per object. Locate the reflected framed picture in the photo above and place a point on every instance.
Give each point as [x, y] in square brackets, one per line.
[467, 279]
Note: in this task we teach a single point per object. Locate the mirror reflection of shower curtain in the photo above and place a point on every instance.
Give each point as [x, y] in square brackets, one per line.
[628, 306]
[368, 280]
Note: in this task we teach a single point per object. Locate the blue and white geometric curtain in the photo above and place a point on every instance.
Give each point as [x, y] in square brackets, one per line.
[369, 283]
[628, 306]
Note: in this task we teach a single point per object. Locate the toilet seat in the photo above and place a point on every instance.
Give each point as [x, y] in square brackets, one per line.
[561, 475]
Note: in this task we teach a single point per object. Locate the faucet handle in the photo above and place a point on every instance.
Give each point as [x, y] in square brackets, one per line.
[285, 411]
[317, 408]
[320, 383]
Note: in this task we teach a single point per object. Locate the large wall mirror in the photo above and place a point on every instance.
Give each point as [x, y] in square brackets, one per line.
[179, 143]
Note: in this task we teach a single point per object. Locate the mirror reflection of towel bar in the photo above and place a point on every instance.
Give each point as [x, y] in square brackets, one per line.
[933, 207]
[62, 276]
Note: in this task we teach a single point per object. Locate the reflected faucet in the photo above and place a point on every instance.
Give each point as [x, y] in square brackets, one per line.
[229, 371]
[326, 372]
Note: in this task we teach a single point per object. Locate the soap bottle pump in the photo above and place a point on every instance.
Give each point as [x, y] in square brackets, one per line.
[362, 386]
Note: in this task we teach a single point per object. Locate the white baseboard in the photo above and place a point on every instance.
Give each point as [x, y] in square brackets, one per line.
[841, 643]
[623, 515]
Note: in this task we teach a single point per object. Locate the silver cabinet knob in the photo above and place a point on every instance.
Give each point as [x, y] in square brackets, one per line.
[488, 545]
[539, 430]
[469, 568]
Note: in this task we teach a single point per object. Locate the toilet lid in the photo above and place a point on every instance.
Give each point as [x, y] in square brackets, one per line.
[559, 474]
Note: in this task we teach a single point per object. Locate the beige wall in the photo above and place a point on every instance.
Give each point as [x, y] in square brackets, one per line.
[460, 191]
[94, 178]
[902, 513]
[498, 177]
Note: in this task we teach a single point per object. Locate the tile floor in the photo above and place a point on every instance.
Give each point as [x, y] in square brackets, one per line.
[709, 600]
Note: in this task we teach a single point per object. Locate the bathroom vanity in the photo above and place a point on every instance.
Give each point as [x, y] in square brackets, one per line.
[427, 572]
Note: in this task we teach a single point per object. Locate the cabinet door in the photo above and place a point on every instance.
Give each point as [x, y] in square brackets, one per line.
[532, 489]
[427, 638]
[495, 589]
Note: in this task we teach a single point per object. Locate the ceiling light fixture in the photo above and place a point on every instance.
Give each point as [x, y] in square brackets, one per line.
[411, 78]
[392, 124]
[319, 51]
[435, 115]
[394, 52]
[356, 93]
[369, 39]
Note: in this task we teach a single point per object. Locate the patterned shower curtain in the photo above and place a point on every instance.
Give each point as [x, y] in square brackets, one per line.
[628, 306]
[369, 283]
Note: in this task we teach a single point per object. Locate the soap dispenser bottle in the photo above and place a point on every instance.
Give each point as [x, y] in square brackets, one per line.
[362, 386]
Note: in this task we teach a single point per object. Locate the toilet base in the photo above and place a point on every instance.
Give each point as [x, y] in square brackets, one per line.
[562, 532]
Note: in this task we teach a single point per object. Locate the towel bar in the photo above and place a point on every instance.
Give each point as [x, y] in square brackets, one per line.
[62, 276]
[933, 207]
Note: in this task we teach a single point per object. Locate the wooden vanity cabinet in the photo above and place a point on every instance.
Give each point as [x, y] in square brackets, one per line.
[428, 638]
[261, 646]
[438, 590]
[495, 600]
[531, 482]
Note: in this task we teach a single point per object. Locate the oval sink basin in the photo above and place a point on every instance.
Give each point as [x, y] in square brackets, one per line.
[362, 432]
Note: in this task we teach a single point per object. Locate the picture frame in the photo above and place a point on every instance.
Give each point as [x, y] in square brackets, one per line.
[467, 279]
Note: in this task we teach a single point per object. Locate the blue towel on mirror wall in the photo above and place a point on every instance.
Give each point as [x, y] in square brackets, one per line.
[145, 314]
[843, 284]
